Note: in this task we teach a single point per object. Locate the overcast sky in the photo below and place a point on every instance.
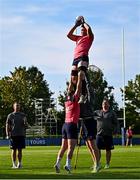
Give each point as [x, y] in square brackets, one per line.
[33, 32]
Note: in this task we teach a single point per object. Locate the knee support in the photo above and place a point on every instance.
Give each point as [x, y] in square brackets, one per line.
[74, 73]
[82, 68]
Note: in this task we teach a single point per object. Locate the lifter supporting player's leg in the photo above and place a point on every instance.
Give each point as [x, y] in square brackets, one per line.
[81, 76]
[73, 80]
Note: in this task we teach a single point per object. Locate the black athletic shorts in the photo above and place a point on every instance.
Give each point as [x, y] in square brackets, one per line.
[17, 142]
[91, 127]
[69, 131]
[79, 59]
[129, 137]
[104, 142]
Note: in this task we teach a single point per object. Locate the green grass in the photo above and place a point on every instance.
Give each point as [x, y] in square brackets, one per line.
[38, 164]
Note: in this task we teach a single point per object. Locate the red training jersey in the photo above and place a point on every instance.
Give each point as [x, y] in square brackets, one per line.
[129, 133]
[83, 44]
[72, 110]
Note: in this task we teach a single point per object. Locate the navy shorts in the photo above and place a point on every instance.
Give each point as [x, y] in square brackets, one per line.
[90, 128]
[129, 137]
[69, 131]
[17, 142]
[79, 59]
[104, 142]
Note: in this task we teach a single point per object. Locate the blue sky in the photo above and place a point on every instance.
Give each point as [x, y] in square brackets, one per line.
[33, 32]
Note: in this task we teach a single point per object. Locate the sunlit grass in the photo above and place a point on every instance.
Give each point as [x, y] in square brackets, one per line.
[38, 162]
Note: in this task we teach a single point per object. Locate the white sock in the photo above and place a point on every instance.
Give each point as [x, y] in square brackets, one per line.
[14, 163]
[95, 164]
[58, 161]
[19, 163]
[68, 162]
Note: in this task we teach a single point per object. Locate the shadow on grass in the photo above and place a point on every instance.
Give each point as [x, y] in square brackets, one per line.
[117, 172]
[126, 167]
[75, 175]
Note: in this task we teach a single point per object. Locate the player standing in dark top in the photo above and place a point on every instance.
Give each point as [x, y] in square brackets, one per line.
[16, 125]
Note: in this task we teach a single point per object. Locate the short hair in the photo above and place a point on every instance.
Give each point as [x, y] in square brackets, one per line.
[16, 102]
[106, 99]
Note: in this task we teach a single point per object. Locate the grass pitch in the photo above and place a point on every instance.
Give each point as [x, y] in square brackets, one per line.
[38, 162]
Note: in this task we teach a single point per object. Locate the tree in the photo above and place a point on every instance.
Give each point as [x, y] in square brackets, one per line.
[100, 90]
[24, 85]
[132, 103]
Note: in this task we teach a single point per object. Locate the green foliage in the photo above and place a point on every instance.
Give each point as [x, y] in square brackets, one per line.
[60, 121]
[61, 99]
[24, 85]
[132, 103]
[101, 90]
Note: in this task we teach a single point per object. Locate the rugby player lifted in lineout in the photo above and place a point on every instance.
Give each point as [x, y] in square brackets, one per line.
[81, 59]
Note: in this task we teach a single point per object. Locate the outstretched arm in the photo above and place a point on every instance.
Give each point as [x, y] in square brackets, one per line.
[70, 34]
[89, 30]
